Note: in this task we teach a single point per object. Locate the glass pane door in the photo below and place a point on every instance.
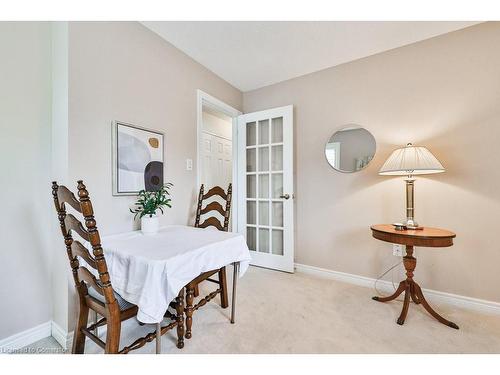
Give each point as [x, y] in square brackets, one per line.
[264, 176]
[265, 180]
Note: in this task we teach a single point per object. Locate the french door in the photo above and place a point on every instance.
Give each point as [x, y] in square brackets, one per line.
[265, 192]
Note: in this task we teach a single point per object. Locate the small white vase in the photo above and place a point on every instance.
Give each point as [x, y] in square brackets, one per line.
[150, 225]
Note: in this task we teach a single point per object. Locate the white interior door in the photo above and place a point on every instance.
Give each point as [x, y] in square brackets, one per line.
[265, 180]
[217, 168]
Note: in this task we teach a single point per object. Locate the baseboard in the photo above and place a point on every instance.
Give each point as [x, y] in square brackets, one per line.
[24, 338]
[61, 336]
[65, 339]
[475, 304]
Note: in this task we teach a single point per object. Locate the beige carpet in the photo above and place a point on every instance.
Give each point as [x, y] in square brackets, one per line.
[297, 313]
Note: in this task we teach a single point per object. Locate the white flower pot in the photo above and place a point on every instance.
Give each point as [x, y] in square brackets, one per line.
[150, 225]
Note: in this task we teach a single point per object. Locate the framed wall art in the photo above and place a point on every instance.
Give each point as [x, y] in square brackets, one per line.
[137, 159]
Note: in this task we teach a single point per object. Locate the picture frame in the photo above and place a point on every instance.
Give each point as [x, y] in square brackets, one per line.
[137, 158]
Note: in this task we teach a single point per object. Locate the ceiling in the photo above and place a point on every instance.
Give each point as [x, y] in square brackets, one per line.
[250, 55]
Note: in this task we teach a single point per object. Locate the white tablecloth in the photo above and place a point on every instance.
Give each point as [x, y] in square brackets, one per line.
[150, 270]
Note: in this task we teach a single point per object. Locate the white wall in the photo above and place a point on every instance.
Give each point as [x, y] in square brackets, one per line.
[123, 71]
[25, 144]
[443, 93]
[61, 281]
[62, 86]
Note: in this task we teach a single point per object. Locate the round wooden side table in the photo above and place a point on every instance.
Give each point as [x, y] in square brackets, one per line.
[427, 237]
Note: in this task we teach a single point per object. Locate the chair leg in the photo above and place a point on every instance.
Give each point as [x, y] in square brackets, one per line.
[189, 310]
[179, 309]
[224, 303]
[79, 338]
[113, 336]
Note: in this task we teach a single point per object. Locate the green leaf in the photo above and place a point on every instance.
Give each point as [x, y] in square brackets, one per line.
[148, 202]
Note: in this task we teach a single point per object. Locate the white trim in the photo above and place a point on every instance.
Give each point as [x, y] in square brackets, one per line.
[216, 135]
[31, 335]
[204, 99]
[61, 336]
[24, 338]
[475, 304]
[47, 329]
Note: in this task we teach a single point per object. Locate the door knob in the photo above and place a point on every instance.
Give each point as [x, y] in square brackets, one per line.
[286, 196]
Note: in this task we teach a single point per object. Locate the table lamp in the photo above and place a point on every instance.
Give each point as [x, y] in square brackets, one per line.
[410, 161]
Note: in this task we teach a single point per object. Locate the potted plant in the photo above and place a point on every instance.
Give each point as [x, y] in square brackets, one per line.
[148, 203]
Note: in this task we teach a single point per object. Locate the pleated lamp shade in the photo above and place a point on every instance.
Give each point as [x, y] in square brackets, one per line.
[411, 160]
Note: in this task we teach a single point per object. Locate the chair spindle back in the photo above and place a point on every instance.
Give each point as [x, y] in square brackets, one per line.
[214, 206]
[82, 276]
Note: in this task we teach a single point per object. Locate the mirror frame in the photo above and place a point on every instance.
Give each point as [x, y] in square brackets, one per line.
[346, 127]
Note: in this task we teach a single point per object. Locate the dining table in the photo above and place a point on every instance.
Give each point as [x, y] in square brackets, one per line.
[149, 270]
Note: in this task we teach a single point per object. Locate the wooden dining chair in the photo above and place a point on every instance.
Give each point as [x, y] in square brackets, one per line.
[192, 289]
[97, 294]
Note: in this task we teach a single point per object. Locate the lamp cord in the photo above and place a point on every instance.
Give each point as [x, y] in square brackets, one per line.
[385, 273]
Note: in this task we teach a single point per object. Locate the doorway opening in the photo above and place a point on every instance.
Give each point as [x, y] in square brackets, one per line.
[217, 148]
[254, 152]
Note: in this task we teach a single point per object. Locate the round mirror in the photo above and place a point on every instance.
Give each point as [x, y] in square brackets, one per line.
[350, 149]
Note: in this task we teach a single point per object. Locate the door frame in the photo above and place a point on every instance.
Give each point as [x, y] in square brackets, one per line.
[204, 99]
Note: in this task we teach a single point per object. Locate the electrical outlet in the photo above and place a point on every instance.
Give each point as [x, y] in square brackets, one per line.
[189, 164]
[397, 250]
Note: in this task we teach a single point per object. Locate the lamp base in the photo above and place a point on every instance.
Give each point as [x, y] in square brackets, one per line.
[411, 224]
[407, 225]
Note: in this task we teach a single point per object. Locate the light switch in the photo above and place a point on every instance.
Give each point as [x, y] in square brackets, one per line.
[189, 164]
